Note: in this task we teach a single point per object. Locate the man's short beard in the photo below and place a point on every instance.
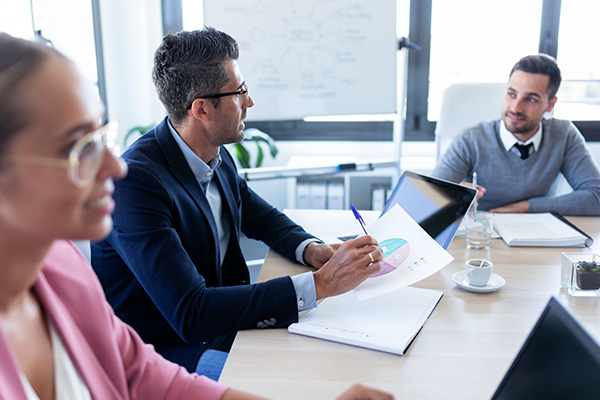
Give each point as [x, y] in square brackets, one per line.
[528, 127]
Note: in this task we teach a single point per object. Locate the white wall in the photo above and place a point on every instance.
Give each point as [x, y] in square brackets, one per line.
[71, 33]
[131, 32]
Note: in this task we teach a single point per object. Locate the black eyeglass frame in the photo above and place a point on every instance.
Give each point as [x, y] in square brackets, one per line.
[242, 90]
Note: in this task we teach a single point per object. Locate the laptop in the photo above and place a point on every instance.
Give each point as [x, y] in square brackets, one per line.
[559, 360]
[436, 205]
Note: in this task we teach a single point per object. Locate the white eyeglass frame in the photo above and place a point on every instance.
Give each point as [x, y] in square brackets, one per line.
[103, 137]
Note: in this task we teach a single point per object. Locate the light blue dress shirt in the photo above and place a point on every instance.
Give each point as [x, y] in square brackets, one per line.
[304, 284]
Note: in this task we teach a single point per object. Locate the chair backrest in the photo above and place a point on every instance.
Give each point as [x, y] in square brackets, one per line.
[465, 105]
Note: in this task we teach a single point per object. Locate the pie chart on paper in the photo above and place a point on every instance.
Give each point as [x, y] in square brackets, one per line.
[395, 252]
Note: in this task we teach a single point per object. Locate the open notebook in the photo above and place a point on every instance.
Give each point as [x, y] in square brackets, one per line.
[389, 322]
[539, 230]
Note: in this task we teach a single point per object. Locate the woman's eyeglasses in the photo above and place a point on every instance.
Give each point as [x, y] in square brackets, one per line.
[85, 157]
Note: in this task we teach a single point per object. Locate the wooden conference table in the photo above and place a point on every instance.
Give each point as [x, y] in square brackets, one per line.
[462, 352]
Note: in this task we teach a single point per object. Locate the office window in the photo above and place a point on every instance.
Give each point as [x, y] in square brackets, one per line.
[478, 41]
[579, 95]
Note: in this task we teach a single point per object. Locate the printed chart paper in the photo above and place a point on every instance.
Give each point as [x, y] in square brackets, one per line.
[409, 254]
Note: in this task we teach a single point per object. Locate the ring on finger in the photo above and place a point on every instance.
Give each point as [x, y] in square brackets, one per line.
[371, 257]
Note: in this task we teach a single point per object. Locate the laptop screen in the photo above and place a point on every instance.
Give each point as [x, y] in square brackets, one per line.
[559, 360]
[437, 205]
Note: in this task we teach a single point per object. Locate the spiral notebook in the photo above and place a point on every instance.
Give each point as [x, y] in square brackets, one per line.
[389, 322]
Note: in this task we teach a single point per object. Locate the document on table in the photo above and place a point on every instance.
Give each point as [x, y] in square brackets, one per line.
[410, 254]
[389, 322]
[539, 230]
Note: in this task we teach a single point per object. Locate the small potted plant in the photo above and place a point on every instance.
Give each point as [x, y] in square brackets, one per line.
[588, 275]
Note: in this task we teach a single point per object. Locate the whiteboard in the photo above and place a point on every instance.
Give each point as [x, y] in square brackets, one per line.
[313, 57]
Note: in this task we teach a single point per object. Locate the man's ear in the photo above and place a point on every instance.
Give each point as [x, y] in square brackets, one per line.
[551, 104]
[201, 109]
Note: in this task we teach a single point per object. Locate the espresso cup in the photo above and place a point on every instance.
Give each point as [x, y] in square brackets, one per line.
[478, 271]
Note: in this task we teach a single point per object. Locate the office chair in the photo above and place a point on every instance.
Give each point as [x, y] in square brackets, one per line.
[465, 105]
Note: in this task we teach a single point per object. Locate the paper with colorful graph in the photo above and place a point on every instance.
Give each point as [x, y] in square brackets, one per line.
[409, 254]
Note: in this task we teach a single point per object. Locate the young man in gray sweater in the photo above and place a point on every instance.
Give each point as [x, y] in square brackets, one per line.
[518, 157]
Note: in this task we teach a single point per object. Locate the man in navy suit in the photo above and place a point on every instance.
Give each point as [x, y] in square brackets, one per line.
[172, 267]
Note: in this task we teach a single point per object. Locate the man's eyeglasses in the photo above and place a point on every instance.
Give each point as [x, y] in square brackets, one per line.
[243, 90]
[85, 157]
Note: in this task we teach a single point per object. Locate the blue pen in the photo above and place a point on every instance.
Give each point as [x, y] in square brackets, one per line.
[359, 218]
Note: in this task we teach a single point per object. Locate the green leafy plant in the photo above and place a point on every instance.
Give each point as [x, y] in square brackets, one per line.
[258, 137]
[136, 130]
[588, 266]
[588, 276]
[242, 153]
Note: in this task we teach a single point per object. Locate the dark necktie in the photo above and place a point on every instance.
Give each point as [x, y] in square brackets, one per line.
[523, 149]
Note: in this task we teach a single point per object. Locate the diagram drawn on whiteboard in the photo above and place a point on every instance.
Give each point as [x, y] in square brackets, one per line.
[316, 57]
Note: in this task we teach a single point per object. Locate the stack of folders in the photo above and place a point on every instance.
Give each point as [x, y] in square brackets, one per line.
[539, 230]
[389, 322]
[379, 196]
[320, 194]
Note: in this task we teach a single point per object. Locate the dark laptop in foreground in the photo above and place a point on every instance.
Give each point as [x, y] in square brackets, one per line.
[436, 205]
[559, 360]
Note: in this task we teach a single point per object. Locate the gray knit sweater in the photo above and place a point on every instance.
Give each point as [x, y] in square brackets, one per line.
[508, 179]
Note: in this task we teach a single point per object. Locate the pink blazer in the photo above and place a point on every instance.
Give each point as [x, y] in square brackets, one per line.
[111, 358]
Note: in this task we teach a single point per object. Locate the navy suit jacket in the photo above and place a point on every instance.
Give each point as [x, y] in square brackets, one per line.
[160, 266]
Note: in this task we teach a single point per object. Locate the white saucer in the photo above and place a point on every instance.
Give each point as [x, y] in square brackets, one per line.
[495, 283]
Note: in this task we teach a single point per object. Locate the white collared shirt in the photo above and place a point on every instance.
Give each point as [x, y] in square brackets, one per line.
[509, 140]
